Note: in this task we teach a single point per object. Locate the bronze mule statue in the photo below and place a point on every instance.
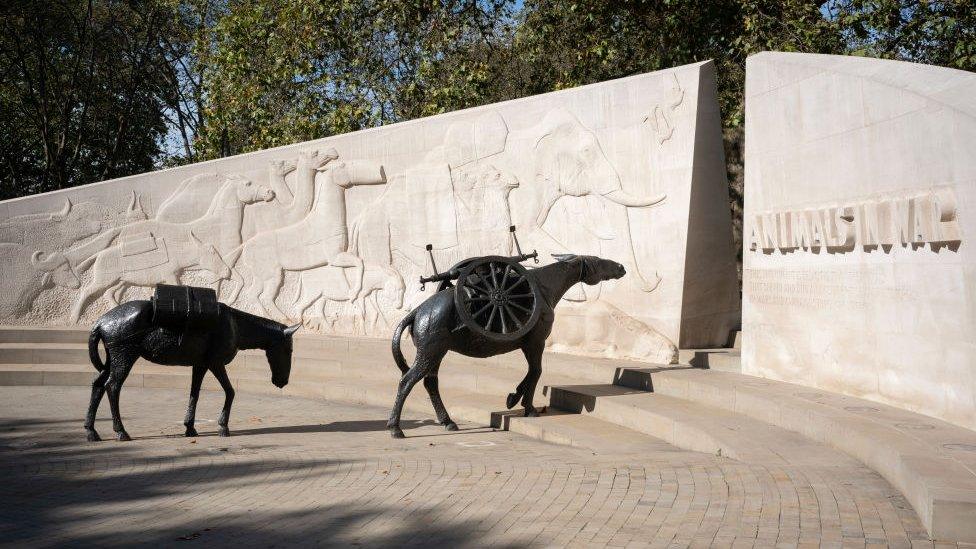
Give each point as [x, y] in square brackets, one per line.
[436, 328]
[133, 329]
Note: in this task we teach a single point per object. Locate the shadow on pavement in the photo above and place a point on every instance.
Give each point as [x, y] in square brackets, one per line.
[58, 492]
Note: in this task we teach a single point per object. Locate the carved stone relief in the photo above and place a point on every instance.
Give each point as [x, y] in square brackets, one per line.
[334, 234]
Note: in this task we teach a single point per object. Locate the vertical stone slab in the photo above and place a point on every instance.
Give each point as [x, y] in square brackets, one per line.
[333, 231]
[858, 275]
[711, 307]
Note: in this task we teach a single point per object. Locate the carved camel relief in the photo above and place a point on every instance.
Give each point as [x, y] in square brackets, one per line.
[319, 239]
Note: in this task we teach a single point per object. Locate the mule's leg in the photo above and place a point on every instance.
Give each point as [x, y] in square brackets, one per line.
[98, 390]
[430, 383]
[121, 366]
[220, 372]
[422, 365]
[191, 408]
[533, 355]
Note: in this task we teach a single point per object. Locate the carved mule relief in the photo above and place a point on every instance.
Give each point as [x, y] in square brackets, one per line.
[147, 252]
[147, 261]
[319, 239]
[382, 291]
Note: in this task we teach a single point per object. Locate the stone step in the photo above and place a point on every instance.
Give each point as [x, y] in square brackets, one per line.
[42, 346]
[932, 462]
[31, 334]
[485, 379]
[585, 431]
[726, 360]
[692, 426]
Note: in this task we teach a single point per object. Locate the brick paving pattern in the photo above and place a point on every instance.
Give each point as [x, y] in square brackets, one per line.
[302, 472]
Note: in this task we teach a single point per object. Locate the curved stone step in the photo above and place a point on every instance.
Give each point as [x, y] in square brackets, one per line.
[692, 426]
[585, 431]
[932, 462]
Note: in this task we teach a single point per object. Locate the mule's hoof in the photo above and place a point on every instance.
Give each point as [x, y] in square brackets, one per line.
[93, 436]
[531, 412]
[123, 436]
[191, 432]
[397, 432]
[512, 400]
[450, 426]
[224, 432]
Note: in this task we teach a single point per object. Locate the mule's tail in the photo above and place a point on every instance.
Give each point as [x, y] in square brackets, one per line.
[93, 338]
[397, 333]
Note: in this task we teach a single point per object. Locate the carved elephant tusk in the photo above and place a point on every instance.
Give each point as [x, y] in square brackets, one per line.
[632, 201]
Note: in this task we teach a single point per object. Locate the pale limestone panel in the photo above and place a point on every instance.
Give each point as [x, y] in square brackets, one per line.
[895, 320]
[332, 232]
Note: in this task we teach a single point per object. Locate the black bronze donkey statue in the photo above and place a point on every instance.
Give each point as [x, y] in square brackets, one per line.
[437, 327]
[193, 331]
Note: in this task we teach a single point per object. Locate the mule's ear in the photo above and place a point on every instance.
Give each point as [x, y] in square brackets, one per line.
[564, 257]
[290, 331]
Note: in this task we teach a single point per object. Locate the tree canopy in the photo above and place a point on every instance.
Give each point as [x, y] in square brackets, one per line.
[97, 89]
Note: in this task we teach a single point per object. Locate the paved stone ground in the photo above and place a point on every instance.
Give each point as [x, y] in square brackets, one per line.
[305, 472]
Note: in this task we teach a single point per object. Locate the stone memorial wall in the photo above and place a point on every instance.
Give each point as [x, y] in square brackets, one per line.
[333, 231]
[859, 192]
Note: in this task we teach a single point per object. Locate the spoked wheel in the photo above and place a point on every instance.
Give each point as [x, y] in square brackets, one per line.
[497, 299]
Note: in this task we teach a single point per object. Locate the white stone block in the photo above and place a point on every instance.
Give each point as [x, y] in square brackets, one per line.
[861, 176]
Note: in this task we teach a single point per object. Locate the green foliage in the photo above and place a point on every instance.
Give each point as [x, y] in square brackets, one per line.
[281, 71]
[923, 31]
[104, 88]
[80, 93]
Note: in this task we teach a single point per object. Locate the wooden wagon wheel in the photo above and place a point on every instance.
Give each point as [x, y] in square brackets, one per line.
[497, 299]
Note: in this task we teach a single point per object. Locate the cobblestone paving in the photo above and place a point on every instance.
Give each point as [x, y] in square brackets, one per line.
[305, 472]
